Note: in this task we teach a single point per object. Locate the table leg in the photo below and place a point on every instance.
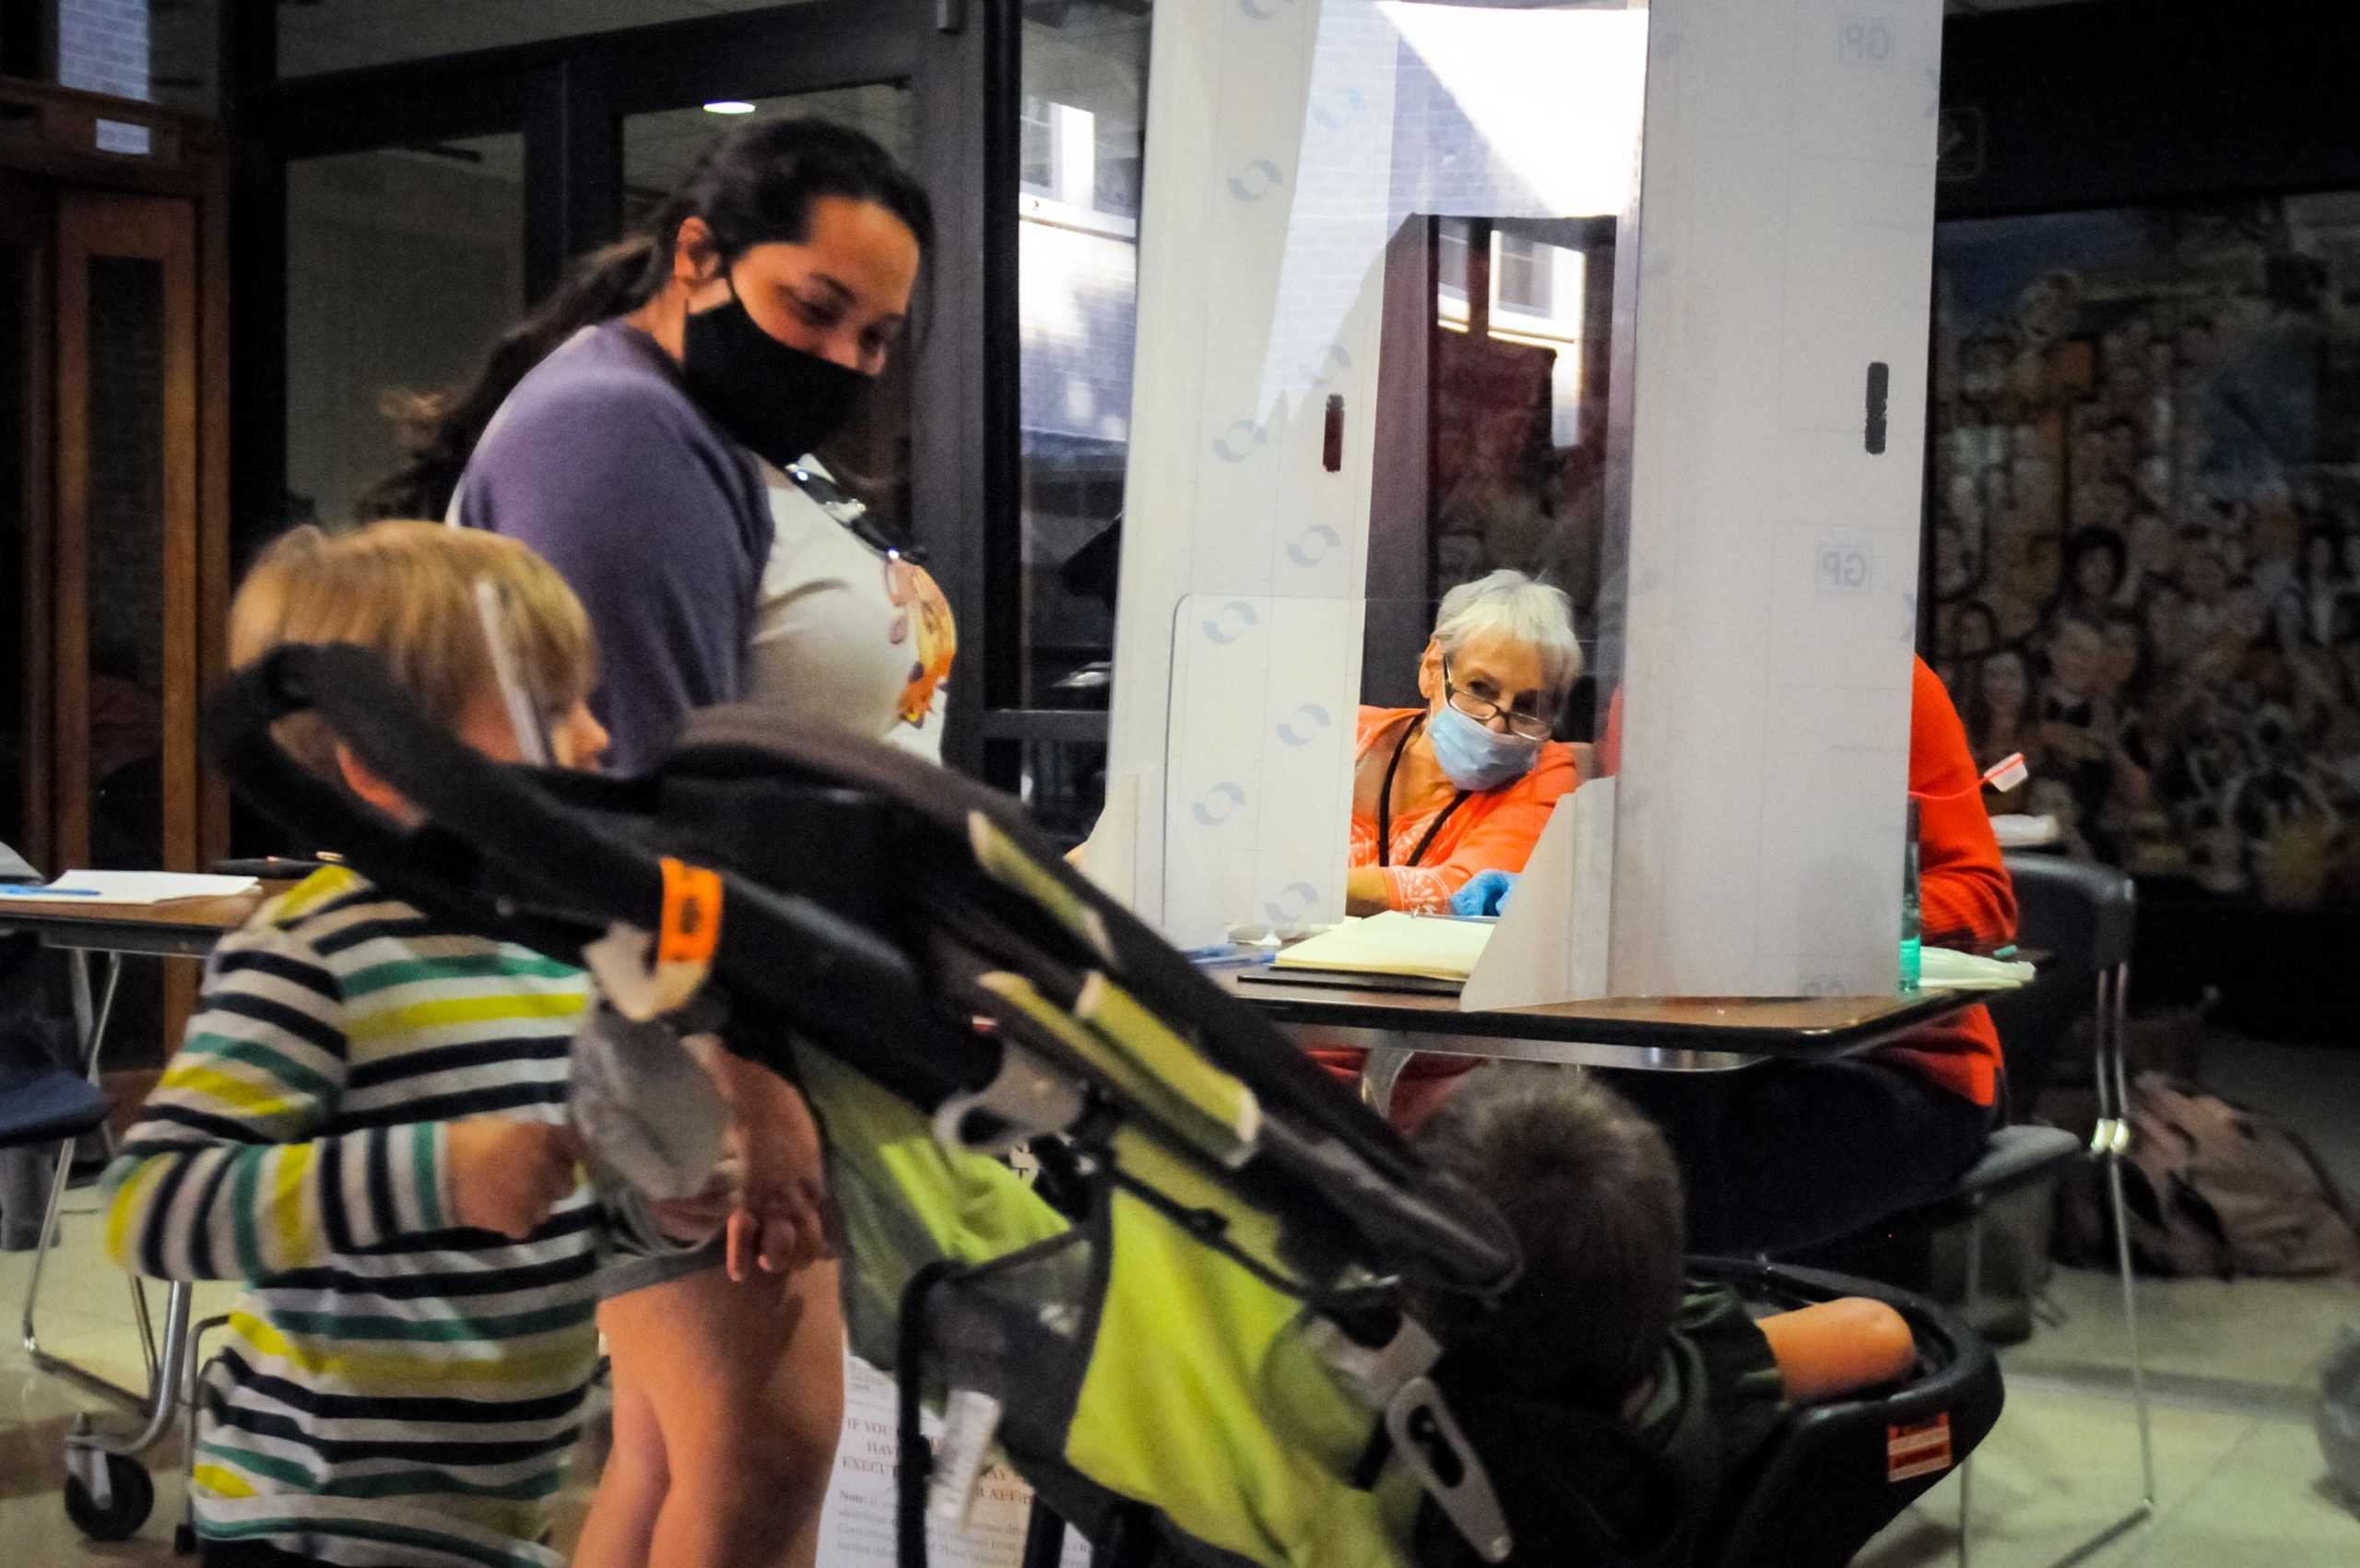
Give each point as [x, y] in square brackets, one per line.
[162, 1403]
[91, 1023]
[1380, 1071]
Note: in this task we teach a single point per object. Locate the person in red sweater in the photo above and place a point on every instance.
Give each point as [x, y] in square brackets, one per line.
[1786, 1155]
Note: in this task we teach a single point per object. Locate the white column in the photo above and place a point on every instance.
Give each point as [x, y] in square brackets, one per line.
[1785, 249]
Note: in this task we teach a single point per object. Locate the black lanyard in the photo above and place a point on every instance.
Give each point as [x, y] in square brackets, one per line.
[853, 516]
[1385, 806]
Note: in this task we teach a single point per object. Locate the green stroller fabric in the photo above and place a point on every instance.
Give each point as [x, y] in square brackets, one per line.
[1112, 1342]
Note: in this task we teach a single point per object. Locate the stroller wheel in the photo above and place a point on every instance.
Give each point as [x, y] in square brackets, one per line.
[131, 1497]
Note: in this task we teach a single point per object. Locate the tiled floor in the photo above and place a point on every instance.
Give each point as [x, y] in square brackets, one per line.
[2234, 1369]
[2238, 1473]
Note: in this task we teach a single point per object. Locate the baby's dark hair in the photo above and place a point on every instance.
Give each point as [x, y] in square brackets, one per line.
[1590, 1190]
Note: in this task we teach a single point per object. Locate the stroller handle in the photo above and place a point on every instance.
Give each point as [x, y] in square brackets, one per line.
[495, 808]
[854, 986]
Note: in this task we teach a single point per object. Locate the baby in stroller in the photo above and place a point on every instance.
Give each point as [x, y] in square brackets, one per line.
[1611, 1398]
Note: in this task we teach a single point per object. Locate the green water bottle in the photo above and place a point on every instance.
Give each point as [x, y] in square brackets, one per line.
[1909, 925]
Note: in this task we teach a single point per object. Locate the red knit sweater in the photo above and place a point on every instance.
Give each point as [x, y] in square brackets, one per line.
[1963, 896]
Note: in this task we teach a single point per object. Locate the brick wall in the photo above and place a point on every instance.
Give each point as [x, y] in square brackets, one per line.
[102, 46]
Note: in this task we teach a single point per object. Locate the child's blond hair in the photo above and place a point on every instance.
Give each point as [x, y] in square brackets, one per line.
[405, 591]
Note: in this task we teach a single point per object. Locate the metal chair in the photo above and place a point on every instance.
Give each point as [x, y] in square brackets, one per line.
[2083, 916]
[108, 1492]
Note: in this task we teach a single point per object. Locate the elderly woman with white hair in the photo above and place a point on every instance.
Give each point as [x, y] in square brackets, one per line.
[1464, 783]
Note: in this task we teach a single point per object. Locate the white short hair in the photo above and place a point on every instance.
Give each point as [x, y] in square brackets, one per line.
[1509, 604]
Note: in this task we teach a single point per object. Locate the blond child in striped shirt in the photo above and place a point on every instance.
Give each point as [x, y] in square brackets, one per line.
[366, 1123]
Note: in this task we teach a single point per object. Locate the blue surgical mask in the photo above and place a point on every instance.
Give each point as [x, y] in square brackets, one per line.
[1476, 757]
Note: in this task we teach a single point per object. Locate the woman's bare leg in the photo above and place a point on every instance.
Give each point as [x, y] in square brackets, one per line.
[746, 1381]
[631, 1490]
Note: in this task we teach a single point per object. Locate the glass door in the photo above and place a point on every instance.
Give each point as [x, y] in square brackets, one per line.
[403, 264]
[483, 172]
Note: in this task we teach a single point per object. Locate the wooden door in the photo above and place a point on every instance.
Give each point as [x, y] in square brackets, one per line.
[126, 672]
[26, 383]
[125, 547]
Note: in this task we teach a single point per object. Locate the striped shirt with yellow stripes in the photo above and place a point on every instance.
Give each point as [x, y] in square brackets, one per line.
[393, 1388]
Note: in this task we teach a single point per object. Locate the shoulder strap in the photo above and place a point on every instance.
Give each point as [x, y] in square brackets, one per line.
[1384, 804]
[851, 513]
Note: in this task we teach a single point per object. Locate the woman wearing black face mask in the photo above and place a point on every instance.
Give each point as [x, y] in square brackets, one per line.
[649, 430]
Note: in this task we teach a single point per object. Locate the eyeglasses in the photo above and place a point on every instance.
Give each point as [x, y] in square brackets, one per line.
[1531, 726]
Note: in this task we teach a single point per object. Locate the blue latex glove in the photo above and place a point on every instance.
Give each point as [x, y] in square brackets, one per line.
[1486, 894]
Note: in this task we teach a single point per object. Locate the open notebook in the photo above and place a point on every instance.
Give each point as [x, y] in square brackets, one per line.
[1394, 943]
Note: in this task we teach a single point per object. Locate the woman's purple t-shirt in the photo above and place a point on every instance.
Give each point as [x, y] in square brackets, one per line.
[602, 463]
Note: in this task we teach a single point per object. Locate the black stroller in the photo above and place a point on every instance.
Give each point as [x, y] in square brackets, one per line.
[1202, 1355]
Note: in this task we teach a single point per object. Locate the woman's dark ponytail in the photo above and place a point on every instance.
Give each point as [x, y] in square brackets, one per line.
[752, 187]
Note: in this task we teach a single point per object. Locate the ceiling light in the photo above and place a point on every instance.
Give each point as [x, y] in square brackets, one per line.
[729, 106]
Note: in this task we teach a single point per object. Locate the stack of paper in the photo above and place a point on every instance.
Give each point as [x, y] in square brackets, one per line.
[2026, 832]
[1394, 943]
[1946, 969]
[134, 887]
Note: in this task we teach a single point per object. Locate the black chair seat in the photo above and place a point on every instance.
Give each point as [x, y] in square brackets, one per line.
[2014, 1158]
[49, 1107]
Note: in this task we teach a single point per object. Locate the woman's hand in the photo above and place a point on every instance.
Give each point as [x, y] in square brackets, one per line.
[783, 1236]
[1485, 894]
[780, 1223]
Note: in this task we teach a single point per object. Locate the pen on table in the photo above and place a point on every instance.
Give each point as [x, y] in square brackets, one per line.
[16, 891]
[1232, 957]
[271, 867]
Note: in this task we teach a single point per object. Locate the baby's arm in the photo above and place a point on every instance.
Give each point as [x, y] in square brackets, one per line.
[1836, 1347]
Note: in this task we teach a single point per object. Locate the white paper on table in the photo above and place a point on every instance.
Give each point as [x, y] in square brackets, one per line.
[1394, 943]
[2016, 831]
[1946, 969]
[137, 886]
[857, 1526]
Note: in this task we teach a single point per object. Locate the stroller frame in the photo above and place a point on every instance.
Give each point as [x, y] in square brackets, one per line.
[1224, 1132]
